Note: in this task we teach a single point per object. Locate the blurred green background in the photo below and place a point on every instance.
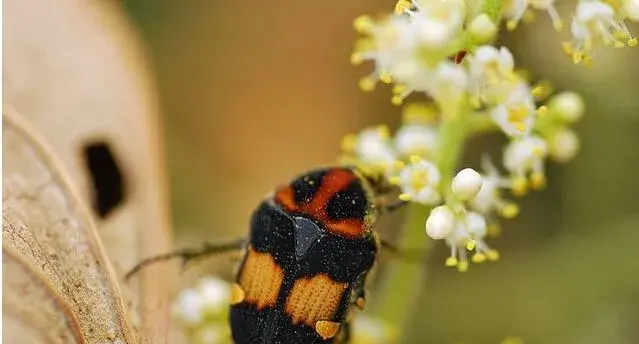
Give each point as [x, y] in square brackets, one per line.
[254, 92]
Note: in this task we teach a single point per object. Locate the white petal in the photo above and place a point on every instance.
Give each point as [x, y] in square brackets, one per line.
[476, 224]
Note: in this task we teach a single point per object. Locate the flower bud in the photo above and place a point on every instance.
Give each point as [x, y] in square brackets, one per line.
[564, 145]
[467, 184]
[568, 106]
[482, 29]
[440, 222]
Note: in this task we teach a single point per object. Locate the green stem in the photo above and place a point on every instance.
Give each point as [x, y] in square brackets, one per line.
[452, 135]
[403, 280]
[481, 123]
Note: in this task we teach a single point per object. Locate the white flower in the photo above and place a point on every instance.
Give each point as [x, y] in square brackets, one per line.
[568, 106]
[189, 307]
[564, 145]
[415, 139]
[491, 74]
[367, 330]
[631, 9]
[440, 222]
[407, 48]
[372, 146]
[477, 230]
[468, 235]
[516, 115]
[489, 198]
[450, 82]
[524, 156]
[446, 83]
[215, 293]
[210, 296]
[202, 311]
[517, 8]
[418, 181]
[409, 75]
[437, 22]
[490, 65]
[475, 225]
[466, 184]
[388, 43]
[595, 24]
[209, 335]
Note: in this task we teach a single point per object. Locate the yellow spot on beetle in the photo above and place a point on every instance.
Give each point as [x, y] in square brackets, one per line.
[237, 294]
[327, 329]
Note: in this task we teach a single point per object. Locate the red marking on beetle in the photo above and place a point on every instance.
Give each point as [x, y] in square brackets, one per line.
[334, 181]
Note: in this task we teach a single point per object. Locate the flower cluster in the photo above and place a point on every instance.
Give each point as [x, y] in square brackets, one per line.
[202, 311]
[595, 23]
[598, 23]
[437, 49]
[427, 30]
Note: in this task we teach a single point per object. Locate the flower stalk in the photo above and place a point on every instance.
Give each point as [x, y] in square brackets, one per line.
[404, 277]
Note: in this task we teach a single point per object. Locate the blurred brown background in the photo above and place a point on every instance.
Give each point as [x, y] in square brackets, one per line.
[254, 92]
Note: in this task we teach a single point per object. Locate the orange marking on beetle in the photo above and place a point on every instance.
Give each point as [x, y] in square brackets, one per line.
[313, 299]
[334, 181]
[350, 228]
[286, 198]
[327, 329]
[260, 279]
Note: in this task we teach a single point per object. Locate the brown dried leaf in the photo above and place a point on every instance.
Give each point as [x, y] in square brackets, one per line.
[45, 318]
[76, 72]
[52, 251]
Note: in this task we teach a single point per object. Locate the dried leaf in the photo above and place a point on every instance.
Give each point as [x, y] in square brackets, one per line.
[80, 78]
[45, 318]
[52, 251]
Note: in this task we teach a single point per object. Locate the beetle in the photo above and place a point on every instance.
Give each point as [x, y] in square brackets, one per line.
[310, 247]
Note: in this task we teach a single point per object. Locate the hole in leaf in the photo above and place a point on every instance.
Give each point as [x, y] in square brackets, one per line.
[107, 178]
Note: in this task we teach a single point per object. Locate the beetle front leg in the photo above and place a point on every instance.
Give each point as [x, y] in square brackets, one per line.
[189, 254]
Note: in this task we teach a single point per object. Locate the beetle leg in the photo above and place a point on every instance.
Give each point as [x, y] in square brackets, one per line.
[188, 254]
[387, 245]
[345, 333]
[359, 292]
